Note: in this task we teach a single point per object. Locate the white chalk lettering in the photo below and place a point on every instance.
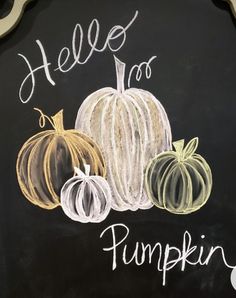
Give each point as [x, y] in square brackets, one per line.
[68, 58]
[166, 257]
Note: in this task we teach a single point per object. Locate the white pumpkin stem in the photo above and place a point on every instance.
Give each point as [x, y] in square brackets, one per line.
[120, 75]
[79, 173]
[87, 169]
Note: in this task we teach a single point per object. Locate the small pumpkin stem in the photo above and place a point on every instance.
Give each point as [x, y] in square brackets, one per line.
[42, 119]
[58, 121]
[78, 172]
[179, 146]
[120, 75]
[87, 169]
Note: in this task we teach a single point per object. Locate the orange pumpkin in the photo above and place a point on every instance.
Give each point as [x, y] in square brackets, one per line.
[47, 160]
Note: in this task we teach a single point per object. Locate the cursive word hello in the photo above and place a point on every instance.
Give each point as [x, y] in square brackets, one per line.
[71, 56]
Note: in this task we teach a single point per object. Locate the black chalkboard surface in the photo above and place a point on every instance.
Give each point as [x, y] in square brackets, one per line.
[191, 48]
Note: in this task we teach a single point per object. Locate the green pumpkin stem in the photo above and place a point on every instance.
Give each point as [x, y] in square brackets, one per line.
[120, 75]
[191, 147]
[179, 146]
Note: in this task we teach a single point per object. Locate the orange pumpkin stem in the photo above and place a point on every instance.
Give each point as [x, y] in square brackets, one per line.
[42, 119]
[58, 121]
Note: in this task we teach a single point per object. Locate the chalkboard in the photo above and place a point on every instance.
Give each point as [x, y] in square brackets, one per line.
[189, 48]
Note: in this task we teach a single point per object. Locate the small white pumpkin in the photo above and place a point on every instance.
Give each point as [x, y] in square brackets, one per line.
[86, 198]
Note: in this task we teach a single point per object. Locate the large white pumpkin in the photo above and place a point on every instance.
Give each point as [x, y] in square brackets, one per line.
[131, 127]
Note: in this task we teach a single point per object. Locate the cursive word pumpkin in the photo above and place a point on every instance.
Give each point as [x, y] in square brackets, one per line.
[179, 181]
[163, 257]
[86, 198]
[47, 160]
[131, 126]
